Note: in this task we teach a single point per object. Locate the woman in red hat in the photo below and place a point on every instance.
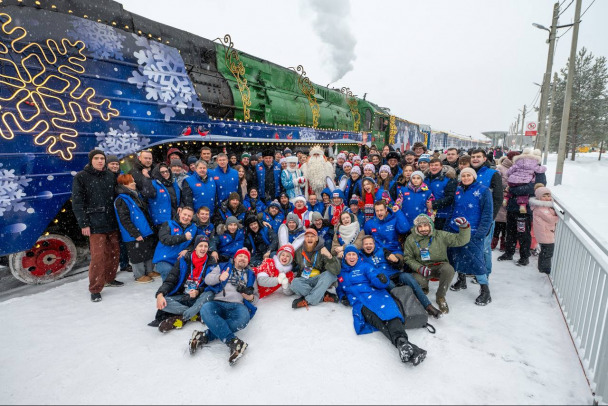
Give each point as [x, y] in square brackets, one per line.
[274, 273]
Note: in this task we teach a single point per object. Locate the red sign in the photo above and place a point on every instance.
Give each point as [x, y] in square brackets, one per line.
[531, 129]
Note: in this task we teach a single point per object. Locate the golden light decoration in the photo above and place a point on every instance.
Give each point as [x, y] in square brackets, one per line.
[236, 67]
[31, 86]
[354, 108]
[309, 91]
[392, 130]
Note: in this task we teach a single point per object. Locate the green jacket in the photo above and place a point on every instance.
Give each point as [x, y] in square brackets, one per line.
[438, 249]
[322, 263]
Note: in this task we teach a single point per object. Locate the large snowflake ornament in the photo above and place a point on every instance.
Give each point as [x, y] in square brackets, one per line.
[163, 75]
[308, 134]
[103, 42]
[12, 191]
[122, 141]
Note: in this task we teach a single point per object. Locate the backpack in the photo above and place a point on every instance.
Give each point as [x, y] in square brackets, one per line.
[414, 314]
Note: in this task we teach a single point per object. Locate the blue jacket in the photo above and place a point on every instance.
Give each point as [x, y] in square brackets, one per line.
[475, 204]
[261, 173]
[362, 287]
[352, 188]
[258, 206]
[484, 175]
[386, 232]
[228, 245]
[360, 215]
[227, 182]
[377, 259]
[185, 268]
[169, 253]
[443, 189]
[319, 207]
[275, 222]
[209, 232]
[138, 218]
[160, 207]
[204, 193]
[414, 201]
[220, 286]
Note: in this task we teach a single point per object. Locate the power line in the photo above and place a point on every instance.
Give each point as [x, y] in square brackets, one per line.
[569, 28]
[562, 12]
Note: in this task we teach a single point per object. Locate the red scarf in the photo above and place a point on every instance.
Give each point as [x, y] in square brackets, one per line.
[300, 212]
[198, 266]
[335, 219]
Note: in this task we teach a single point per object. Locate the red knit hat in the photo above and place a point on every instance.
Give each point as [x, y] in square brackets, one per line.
[288, 248]
[243, 251]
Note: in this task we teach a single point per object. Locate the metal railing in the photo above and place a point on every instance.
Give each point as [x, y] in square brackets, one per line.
[579, 276]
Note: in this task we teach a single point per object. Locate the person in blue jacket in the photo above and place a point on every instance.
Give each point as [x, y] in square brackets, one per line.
[365, 289]
[199, 189]
[253, 203]
[205, 227]
[135, 228]
[226, 178]
[314, 204]
[230, 237]
[387, 228]
[386, 262]
[472, 201]
[353, 207]
[262, 242]
[443, 186]
[163, 207]
[353, 185]
[175, 238]
[269, 177]
[414, 197]
[273, 217]
[325, 199]
[232, 206]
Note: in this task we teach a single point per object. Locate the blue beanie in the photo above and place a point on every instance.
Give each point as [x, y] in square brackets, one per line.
[351, 248]
[337, 193]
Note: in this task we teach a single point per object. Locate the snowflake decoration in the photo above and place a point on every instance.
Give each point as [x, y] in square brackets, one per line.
[470, 205]
[44, 95]
[308, 134]
[122, 141]
[103, 42]
[163, 75]
[12, 191]
[476, 193]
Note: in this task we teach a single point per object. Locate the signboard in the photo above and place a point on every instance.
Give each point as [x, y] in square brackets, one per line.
[531, 130]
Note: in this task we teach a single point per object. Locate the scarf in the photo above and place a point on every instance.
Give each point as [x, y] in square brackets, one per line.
[197, 264]
[368, 205]
[335, 219]
[348, 234]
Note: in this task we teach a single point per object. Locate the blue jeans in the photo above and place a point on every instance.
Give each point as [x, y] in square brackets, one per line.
[224, 319]
[487, 249]
[313, 289]
[163, 268]
[185, 306]
[482, 279]
[405, 278]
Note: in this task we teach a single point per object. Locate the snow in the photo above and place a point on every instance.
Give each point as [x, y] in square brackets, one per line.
[69, 350]
[583, 190]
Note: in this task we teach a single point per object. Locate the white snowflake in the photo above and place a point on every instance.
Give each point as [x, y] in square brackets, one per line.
[308, 134]
[470, 205]
[476, 193]
[101, 41]
[163, 75]
[121, 141]
[12, 191]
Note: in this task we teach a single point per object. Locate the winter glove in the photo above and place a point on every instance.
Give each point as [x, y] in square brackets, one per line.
[285, 284]
[301, 179]
[281, 277]
[461, 222]
[424, 271]
[382, 278]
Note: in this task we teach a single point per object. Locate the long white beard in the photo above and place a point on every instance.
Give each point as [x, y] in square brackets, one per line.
[315, 171]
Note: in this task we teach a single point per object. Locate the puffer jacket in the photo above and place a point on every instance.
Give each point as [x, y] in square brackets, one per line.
[93, 200]
[545, 220]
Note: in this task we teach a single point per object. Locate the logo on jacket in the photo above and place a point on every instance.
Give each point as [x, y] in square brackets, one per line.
[199, 184]
[175, 230]
[216, 178]
[162, 190]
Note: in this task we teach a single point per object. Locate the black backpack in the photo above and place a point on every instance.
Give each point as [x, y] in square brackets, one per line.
[414, 314]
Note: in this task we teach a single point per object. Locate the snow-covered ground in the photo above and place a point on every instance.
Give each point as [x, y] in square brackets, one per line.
[584, 190]
[58, 347]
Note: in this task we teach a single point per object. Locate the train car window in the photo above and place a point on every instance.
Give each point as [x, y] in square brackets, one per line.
[368, 120]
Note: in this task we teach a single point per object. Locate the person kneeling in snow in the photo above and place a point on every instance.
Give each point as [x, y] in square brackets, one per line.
[373, 307]
[274, 273]
[182, 294]
[236, 292]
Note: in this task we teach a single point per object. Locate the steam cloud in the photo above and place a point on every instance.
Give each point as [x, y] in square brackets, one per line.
[331, 24]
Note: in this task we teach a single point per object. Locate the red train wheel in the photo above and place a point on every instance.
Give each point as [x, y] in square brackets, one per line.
[51, 258]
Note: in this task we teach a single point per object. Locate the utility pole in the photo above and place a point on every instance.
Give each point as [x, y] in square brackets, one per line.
[548, 130]
[523, 123]
[544, 99]
[563, 134]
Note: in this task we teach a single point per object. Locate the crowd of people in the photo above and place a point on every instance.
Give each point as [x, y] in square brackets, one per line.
[325, 226]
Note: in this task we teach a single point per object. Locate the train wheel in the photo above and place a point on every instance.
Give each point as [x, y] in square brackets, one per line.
[51, 258]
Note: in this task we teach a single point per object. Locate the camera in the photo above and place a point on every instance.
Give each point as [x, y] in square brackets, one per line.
[242, 288]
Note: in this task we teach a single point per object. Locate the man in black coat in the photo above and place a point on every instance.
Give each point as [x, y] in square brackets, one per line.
[93, 206]
[142, 174]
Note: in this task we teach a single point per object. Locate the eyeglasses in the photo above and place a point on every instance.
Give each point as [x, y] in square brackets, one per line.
[164, 171]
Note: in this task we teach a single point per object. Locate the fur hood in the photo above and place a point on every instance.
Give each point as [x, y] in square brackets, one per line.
[540, 203]
[505, 161]
[529, 153]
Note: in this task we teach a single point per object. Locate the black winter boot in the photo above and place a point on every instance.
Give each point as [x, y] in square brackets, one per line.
[237, 348]
[433, 311]
[460, 284]
[505, 257]
[199, 338]
[409, 352]
[484, 297]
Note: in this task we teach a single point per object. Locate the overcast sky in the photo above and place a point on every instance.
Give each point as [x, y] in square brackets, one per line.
[460, 66]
